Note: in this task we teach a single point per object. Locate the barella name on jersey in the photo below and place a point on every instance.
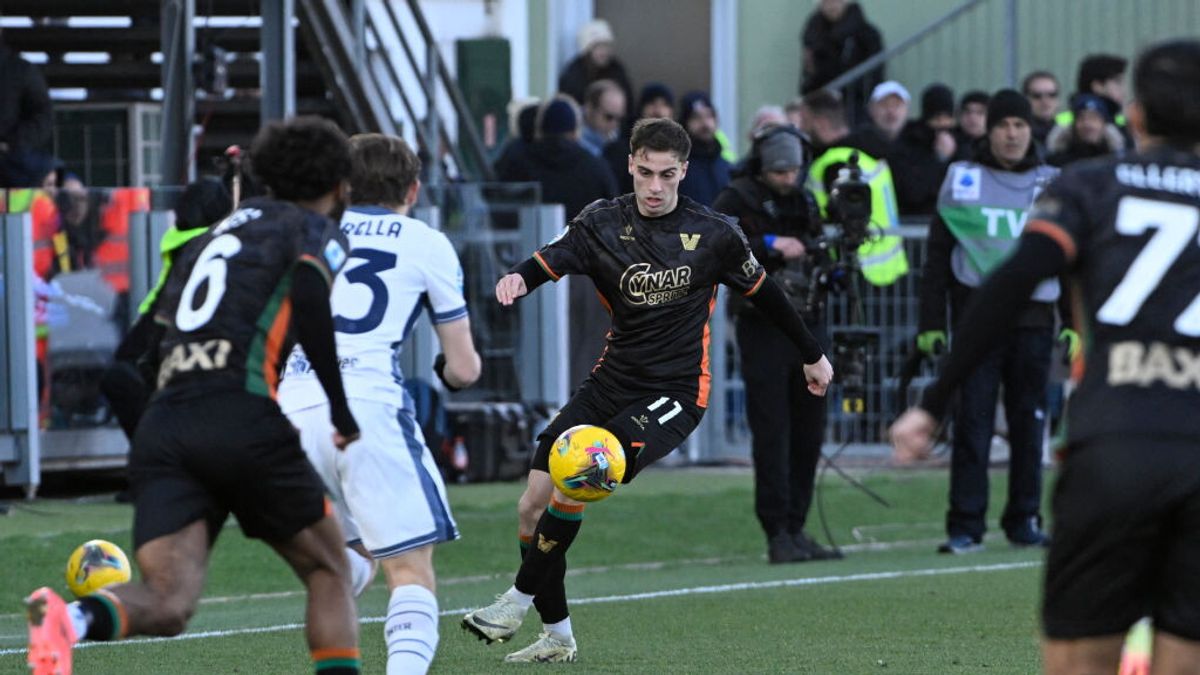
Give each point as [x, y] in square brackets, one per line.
[640, 286]
[1141, 364]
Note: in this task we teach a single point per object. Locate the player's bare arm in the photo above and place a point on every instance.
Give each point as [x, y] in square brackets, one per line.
[463, 365]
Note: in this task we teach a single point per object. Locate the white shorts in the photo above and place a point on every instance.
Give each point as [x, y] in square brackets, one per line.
[386, 487]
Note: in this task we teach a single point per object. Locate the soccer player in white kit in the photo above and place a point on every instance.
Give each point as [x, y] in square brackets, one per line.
[389, 495]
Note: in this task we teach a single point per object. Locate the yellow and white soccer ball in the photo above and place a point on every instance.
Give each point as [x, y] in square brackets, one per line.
[587, 463]
[96, 564]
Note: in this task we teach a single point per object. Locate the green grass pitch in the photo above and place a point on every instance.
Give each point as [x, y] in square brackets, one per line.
[670, 577]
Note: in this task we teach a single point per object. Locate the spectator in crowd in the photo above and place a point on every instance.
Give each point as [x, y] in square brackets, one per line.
[923, 151]
[522, 127]
[595, 61]
[981, 208]
[707, 170]
[882, 257]
[1102, 75]
[1041, 88]
[837, 37]
[25, 121]
[657, 101]
[972, 123]
[1092, 133]
[603, 110]
[794, 110]
[888, 113]
[766, 116]
[571, 176]
[780, 220]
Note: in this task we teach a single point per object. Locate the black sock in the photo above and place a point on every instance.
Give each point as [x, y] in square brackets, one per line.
[101, 618]
[553, 536]
[551, 598]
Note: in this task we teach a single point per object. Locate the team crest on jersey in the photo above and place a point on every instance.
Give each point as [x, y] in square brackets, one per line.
[690, 241]
[967, 184]
[335, 255]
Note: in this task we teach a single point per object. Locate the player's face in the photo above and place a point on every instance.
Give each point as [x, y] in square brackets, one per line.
[656, 175]
[1010, 140]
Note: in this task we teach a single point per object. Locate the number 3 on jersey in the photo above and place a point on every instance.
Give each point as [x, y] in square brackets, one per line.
[367, 274]
[1176, 226]
[211, 267]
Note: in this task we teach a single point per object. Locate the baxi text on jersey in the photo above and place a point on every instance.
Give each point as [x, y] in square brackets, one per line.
[643, 287]
[1141, 364]
[372, 227]
[190, 356]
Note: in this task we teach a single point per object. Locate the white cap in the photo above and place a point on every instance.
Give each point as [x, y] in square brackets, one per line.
[593, 33]
[889, 88]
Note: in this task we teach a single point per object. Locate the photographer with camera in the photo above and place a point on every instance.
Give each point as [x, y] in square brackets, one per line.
[981, 212]
[781, 222]
[881, 255]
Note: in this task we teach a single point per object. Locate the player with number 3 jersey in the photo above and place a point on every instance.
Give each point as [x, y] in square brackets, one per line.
[388, 492]
[1127, 502]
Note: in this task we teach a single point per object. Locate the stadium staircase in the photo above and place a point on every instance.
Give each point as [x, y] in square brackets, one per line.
[333, 78]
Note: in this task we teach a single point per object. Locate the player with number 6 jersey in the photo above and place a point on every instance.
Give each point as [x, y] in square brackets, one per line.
[1127, 501]
[388, 492]
[213, 441]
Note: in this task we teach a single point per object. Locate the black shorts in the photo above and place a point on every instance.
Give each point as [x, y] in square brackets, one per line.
[648, 426]
[207, 457]
[1126, 541]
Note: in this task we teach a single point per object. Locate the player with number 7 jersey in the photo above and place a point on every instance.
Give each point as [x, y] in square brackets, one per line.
[1127, 500]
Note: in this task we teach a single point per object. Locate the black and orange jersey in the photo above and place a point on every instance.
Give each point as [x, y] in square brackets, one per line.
[658, 277]
[226, 304]
[1130, 229]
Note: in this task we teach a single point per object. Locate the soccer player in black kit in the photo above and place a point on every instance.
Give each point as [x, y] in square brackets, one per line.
[1126, 535]
[656, 258]
[213, 441]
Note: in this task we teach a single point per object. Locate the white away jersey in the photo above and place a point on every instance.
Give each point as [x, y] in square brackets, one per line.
[397, 267]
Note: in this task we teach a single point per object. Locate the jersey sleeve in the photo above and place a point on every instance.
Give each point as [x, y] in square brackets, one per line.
[323, 246]
[567, 253]
[740, 270]
[444, 281]
[1059, 214]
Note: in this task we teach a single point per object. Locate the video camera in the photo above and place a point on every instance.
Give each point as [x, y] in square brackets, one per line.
[850, 204]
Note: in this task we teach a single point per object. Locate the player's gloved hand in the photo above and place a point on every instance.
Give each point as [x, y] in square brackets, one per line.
[1074, 343]
[932, 342]
[439, 368]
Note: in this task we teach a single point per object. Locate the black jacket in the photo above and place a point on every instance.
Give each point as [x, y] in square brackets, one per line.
[25, 118]
[616, 155]
[707, 172]
[1064, 147]
[916, 169]
[568, 174]
[838, 47]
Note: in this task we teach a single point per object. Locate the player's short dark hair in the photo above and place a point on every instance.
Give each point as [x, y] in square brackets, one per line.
[826, 105]
[660, 135]
[1037, 75]
[382, 169]
[1098, 68]
[1166, 82]
[300, 159]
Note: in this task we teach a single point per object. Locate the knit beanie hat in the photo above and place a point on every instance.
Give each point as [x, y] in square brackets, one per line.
[1008, 103]
[558, 117]
[692, 102]
[937, 99]
[655, 91]
[1082, 102]
[974, 96]
[781, 151]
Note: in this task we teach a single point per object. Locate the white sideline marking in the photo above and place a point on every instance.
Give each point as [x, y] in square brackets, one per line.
[580, 571]
[648, 595]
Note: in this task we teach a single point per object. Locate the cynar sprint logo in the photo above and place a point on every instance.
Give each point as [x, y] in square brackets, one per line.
[643, 287]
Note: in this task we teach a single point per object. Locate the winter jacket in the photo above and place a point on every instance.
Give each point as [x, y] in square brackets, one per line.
[916, 169]
[1064, 147]
[707, 172]
[568, 174]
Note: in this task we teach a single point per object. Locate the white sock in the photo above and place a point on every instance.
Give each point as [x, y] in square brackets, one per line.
[362, 571]
[562, 628]
[411, 630]
[523, 599]
[78, 619]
